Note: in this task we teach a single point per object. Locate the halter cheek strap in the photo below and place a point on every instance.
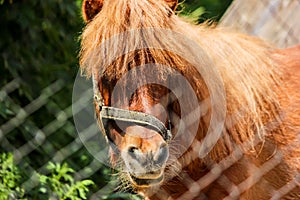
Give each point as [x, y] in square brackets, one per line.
[107, 113]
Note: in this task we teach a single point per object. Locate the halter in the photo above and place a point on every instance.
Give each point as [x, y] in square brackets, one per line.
[107, 113]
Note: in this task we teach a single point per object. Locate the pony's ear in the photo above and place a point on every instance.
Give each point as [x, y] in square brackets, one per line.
[172, 4]
[90, 8]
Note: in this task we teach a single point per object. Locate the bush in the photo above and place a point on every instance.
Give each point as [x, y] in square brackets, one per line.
[57, 184]
[9, 179]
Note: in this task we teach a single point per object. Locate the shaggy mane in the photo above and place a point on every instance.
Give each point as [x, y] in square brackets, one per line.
[252, 80]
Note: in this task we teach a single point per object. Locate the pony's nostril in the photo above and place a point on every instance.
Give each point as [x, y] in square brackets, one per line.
[133, 152]
[162, 155]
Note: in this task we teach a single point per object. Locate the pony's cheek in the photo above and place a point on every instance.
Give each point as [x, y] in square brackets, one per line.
[113, 157]
[117, 138]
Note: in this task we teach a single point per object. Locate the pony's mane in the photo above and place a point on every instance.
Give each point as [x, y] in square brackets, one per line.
[251, 79]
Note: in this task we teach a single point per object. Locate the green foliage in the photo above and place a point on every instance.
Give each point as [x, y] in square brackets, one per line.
[39, 46]
[40, 42]
[202, 10]
[2, 1]
[62, 184]
[9, 179]
[58, 184]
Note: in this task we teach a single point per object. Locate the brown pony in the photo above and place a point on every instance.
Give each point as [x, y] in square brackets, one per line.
[229, 100]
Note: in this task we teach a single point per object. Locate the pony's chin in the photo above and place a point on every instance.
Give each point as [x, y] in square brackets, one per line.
[145, 182]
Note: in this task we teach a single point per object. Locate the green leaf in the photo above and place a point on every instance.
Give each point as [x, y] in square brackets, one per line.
[43, 190]
[43, 179]
[87, 182]
[51, 166]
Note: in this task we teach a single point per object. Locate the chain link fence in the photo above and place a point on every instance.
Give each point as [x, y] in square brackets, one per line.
[274, 20]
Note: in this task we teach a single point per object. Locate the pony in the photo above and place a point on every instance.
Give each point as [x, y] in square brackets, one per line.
[192, 111]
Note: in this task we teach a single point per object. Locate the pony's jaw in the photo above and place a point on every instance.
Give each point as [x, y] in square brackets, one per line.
[146, 180]
[143, 173]
[148, 186]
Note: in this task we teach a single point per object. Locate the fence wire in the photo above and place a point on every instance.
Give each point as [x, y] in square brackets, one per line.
[274, 20]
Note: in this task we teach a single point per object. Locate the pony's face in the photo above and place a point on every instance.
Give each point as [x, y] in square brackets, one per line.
[139, 152]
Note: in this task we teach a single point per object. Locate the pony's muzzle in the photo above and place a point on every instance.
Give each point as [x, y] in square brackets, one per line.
[150, 159]
[145, 157]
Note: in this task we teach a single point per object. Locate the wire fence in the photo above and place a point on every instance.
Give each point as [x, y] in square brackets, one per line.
[274, 20]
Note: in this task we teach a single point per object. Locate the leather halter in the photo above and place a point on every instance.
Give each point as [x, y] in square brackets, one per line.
[128, 116]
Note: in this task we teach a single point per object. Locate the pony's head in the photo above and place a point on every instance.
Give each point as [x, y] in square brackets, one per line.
[141, 89]
[133, 111]
[141, 114]
[131, 107]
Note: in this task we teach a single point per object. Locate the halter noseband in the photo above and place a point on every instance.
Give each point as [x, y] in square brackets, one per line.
[122, 115]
